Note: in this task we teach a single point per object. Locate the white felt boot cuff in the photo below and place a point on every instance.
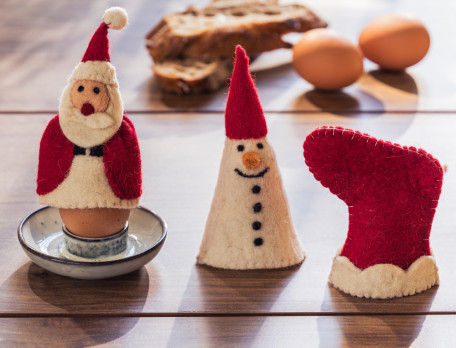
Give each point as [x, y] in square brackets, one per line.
[383, 281]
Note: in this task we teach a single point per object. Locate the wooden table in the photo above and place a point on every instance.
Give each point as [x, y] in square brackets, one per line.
[172, 301]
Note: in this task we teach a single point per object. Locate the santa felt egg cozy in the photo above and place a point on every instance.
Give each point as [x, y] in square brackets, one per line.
[249, 224]
[89, 159]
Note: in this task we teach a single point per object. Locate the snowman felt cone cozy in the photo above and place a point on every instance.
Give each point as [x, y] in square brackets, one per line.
[249, 224]
[89, 160]
[391, 192]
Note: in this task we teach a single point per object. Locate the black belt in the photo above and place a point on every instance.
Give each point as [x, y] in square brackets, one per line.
[96, 151]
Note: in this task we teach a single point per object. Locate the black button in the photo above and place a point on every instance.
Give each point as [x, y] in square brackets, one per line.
[256, 189]
[257, 207]
[256, 225]
[258, 241]
[260, 146]
[240, 148]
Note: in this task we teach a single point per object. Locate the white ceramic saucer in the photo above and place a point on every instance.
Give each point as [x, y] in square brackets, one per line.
[41, 237]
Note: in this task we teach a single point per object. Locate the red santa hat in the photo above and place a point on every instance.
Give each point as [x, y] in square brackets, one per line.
[95, 64]
[391, 192]
[244, 117]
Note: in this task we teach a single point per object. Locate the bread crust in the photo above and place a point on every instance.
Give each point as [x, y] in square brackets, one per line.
[258, 28]
[203, 80]
[192, 50]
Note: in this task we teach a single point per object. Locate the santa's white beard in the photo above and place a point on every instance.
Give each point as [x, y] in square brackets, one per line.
[92, 130]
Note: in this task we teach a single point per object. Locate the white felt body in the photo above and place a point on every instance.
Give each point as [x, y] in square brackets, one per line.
[228, 240]
[86, 186]
[383, 281]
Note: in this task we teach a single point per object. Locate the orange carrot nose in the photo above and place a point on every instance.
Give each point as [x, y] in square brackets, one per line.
[251, 160]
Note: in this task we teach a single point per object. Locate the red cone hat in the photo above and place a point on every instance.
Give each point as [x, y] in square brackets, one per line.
[95, 64]
[98, 48]
[244, 117]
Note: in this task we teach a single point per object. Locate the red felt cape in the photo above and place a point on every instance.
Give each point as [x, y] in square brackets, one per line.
[121, 158]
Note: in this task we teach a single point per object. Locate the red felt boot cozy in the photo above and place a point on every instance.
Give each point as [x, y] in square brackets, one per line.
[391, 192]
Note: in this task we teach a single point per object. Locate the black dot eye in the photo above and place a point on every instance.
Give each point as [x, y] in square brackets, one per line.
[260, 145]
[96, 90]
[240, 148]
[80, 88]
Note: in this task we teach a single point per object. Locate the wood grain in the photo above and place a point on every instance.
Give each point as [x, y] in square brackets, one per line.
[181, 154]
[343, 331]
[172, 302]
[42, 42]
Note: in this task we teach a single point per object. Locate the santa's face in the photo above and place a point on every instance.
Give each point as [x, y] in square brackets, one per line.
[90, 96]
[250, 157]
[90, 112]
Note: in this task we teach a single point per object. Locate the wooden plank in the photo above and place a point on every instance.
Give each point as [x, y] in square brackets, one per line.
[181, 155]
[352, 331]
[41, 43]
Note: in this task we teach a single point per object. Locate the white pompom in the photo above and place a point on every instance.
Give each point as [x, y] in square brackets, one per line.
[115, 18]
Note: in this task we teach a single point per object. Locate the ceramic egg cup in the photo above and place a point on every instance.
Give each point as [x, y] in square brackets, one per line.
[47, 244]
[92, 248]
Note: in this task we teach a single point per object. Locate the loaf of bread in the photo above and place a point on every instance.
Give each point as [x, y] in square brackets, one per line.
[192, 50]
[214, 32]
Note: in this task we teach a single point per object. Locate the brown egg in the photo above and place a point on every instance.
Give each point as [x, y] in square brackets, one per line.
[94, 223]
[395, 42]
[327, 60]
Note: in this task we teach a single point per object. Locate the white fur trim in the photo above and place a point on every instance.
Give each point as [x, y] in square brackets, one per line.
[115, 18]
[86, 186]
[383, 281]
[228, 240]
[96, 70]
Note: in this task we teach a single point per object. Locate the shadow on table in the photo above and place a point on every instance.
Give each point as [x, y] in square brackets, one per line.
[219, 293]
[396, 79]
[340, 103]
[358, 330]
[85, 302]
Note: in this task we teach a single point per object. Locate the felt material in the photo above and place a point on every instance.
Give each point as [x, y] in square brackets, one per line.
[86, 186]
[391, 191]
[115, 18]
[55, 157]
[95, 64]
[384, 281]
[90, 94]
[251, 160]
[95, 70]
[244, 118]
[84, 181]
[93, 130]
[89, 153]
[122, 162]
[239, 234]
[98, 48]
[87, 109]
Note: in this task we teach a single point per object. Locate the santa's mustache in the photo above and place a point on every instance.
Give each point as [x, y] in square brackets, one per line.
[98, 120]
